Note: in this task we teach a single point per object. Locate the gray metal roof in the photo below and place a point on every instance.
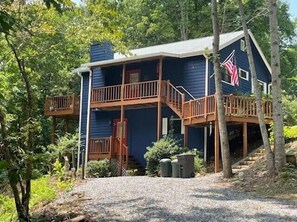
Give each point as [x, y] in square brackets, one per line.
[185, 48]
[180, 49]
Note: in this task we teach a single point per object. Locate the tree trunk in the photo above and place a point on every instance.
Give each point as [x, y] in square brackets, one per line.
[227, 170]
[23, 213]
[279, 141]
[184, 19]
[257, 91]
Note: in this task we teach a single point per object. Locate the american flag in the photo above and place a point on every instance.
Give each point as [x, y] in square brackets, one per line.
[232, 70]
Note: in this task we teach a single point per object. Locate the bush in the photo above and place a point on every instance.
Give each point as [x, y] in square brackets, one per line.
[101, 168]
[36, 174]
[290, 132]
[164, 148]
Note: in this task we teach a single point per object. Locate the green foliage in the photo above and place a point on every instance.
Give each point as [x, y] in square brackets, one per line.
[36, 174]
[290, 110]
[44, 190]
[164, 148]
[101, 168]
[131, 172]
[58, 170]
[66, 146]
[290, 132]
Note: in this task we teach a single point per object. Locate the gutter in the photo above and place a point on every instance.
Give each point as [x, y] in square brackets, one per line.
[206, 94]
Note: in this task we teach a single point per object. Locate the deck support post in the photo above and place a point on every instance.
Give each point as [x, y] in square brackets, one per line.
[66, 125]
[122, 121]
[217, 147]
[159, 117]
[186, 136]
[54, 130]
[245, 149]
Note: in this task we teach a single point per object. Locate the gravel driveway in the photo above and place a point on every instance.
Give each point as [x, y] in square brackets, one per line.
[173, 199]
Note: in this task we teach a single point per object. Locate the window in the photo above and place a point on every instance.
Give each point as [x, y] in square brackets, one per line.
[263, 86]
[225, 75]
[174, 125]
[270, 88]
[243, 74]
[242, 45]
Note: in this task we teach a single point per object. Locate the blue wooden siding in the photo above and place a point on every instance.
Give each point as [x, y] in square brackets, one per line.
[188, 72]
[102, 122]
[241, 62]
[84, 111]
[97, 78]
[142, 131]
[101, 51]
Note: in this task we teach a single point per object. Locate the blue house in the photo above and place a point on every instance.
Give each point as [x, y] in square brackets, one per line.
[128, 102]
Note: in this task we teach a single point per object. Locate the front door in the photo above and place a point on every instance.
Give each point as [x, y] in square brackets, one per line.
[117, 130]
[132, 89]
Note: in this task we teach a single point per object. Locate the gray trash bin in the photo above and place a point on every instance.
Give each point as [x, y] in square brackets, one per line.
[186, 162]
[165, 165]
[175, 168]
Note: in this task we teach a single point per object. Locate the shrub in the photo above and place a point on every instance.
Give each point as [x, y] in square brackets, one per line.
[36, 174]
[290, 132]
[101, 168]
[58, 170]
[164, 148]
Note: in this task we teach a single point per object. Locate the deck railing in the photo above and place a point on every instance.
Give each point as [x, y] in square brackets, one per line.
[141, 90]
[200, 107]
[101, 145]
[241, 106]
[64, 105]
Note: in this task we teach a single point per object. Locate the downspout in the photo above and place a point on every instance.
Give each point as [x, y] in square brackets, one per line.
[79, 72]
[80, 117]
[206, 94]
[88, 118]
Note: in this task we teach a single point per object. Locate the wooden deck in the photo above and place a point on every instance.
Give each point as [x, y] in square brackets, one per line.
[60, 106]
[237, 109]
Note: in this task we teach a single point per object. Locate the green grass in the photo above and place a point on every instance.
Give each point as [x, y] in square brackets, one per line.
[44, 190]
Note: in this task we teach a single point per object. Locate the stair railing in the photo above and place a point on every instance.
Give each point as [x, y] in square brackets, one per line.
[175, 98]
[188, 93]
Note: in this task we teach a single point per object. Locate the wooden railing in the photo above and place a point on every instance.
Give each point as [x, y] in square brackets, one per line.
[241, 106]
[141, 90]
[200, 107]
[101, 145]
[175, 98]
[246, 106]
[62, 105]
[106, 94]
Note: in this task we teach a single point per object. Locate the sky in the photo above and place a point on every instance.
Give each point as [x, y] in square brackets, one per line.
[293, 7]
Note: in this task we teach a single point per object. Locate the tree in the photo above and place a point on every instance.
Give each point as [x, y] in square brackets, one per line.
[257, 91]
[36, 57]
[279, 141]
[224, 141]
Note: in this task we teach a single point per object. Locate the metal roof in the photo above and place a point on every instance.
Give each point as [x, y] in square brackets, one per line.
[179, 49]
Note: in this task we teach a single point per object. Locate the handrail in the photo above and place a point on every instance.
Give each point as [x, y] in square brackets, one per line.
[102, 145]
[62, 103]
[175, 97]
[141, 90]
[186, 91]
[241, 106]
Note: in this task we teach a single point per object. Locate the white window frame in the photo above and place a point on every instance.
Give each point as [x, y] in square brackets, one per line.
[264, 86]
[242, 45]
[165, 125]
[247, 74]
[269, 88]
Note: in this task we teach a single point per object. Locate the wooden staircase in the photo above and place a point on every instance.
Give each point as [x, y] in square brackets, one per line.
[175, 99]
[134, 164]
[249, 160]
